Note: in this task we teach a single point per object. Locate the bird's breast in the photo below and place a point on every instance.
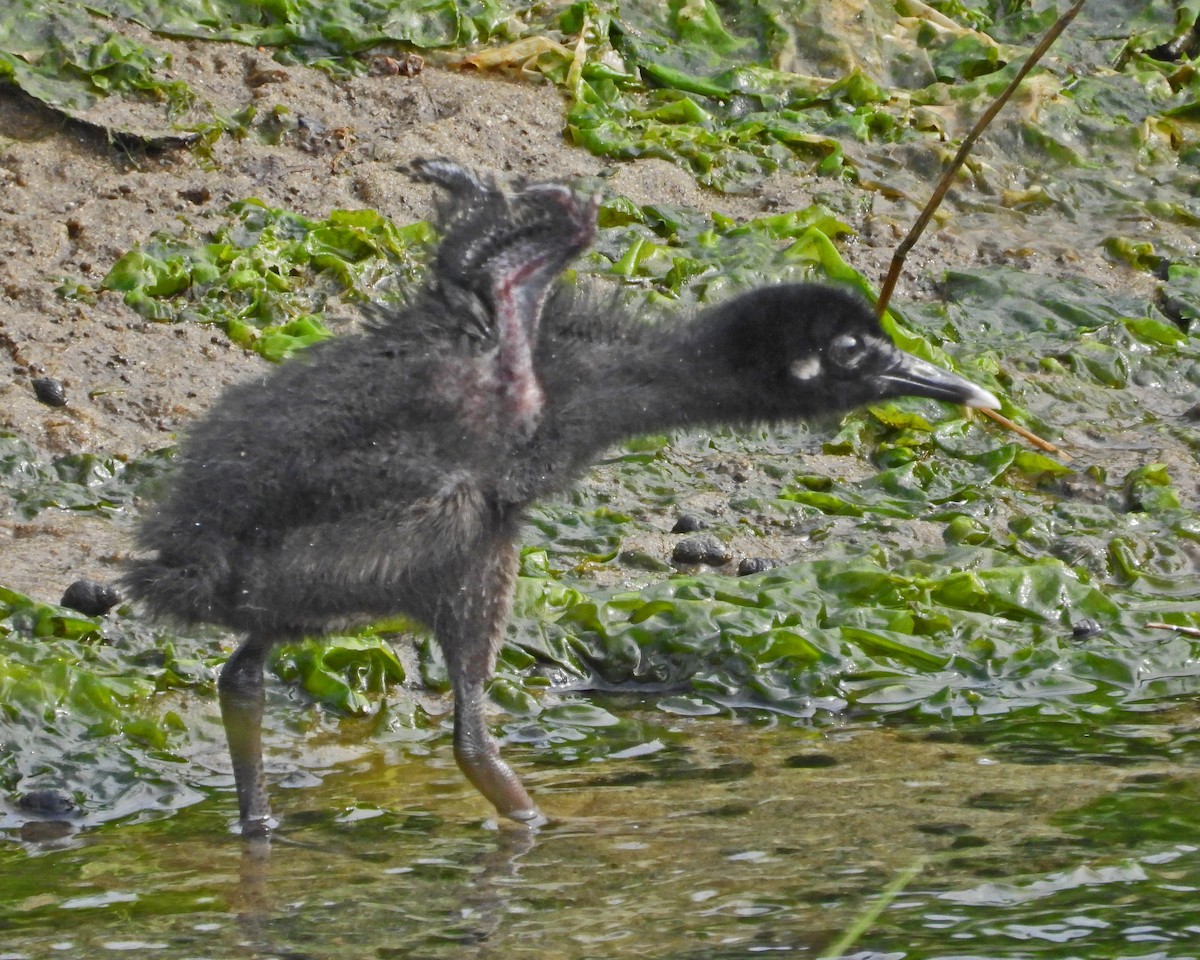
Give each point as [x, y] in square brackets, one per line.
[487, 399]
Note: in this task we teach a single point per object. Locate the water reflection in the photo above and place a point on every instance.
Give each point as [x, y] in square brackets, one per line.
[726, 842]
[480, 879]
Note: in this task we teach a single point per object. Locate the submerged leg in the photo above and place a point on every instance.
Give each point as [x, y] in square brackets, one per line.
[241, 689]
[480, 761]
[470, 635]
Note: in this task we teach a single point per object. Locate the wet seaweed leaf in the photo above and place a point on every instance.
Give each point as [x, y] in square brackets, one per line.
[267, 276]
[34, 482]
[342, 671]
[69, 58]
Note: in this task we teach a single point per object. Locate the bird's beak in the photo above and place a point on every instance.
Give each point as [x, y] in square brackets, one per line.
[912, 376]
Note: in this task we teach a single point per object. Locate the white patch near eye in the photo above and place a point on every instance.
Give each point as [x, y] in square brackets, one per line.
[806, 368]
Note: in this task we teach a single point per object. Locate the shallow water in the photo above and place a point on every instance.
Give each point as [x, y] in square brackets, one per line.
[713, 837]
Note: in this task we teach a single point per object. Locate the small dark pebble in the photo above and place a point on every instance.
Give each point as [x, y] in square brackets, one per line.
[90, 598]
[196, 195]
[50, 392]
[1000, 800]
[1085, 628]
[748, 566]
[944, 829]
[46, 803]
[737, 808]
[45, 831]
[810, 761]
[689, 523]
[1149, 778]
[707, 550]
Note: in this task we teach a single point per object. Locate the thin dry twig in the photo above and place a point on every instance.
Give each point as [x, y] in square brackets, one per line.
[1174, 628]
[1029, 435]
[964, 151]
[935, 201]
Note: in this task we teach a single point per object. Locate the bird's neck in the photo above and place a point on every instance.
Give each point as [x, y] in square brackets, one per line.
[684, 385]
[677, 377]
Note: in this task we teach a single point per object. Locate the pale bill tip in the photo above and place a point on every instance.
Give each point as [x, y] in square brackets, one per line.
[982, 399]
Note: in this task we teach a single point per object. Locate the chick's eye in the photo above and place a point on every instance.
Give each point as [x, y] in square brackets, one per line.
[847, 351]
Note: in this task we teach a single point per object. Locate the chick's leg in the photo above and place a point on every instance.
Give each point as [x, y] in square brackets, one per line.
[241, 691]
[470, 635]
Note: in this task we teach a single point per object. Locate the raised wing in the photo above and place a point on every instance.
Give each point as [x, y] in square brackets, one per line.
[499, 254]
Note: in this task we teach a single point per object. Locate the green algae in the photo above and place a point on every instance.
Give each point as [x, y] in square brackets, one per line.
[267, 276]
[32, 481]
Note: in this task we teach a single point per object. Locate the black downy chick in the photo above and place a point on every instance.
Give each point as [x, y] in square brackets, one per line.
[387, 472]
